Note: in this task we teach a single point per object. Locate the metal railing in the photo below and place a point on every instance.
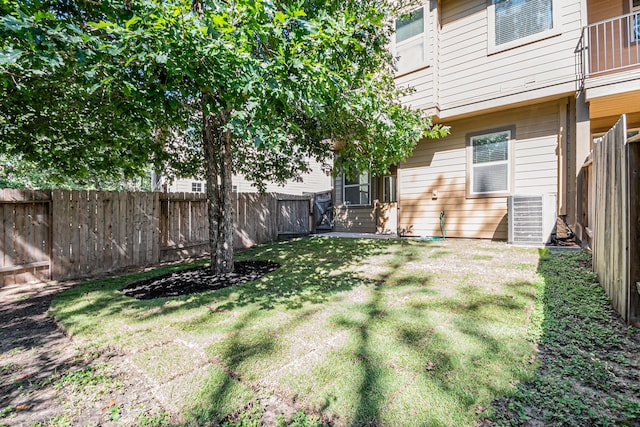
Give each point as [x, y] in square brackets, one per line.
[609, 45]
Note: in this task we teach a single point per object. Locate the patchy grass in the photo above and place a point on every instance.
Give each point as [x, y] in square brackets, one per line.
[157, 420]
[590, 364]
[347, 332]
[57, 421]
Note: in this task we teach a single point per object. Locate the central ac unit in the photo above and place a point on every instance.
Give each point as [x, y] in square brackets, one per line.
[531, 219]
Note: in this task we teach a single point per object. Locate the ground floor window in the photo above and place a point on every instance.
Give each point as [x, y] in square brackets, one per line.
[489, 166]
[356, 190]
[196, 187]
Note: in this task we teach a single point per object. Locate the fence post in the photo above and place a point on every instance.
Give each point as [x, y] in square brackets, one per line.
[633, 145]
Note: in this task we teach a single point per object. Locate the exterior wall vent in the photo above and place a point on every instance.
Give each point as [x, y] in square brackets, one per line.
[531, 219]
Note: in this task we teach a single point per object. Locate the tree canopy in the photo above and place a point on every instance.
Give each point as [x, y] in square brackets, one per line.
[253, 87]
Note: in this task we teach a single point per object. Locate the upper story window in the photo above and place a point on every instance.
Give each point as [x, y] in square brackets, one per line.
[516, 22]
[635, 30]
[410, 41]
[356, 191]
[489, 164]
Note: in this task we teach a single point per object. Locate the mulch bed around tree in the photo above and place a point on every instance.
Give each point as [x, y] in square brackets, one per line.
[199, 279]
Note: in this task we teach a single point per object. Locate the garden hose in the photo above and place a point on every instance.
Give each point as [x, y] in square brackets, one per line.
[443, 231]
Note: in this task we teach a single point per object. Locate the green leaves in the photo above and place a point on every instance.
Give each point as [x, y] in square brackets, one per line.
[10, 55]
[132, 21]
[132, 80]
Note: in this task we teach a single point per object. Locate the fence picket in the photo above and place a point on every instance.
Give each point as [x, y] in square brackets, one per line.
[9, 252]
[19, 243]
[66, 234]
[611, 216]
[122, 229]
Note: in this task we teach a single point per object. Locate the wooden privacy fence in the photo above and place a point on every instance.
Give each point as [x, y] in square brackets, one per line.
[25, 236]
[610, 208]
[72, 234]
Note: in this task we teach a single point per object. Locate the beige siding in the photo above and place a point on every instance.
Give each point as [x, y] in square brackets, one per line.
[183, 185]
[424, 79]
[314, 182]
[469, 74]
[440, 166]
[357, 219]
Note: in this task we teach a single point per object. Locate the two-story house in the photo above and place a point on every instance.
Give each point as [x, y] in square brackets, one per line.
[524, 86]
[317, 180]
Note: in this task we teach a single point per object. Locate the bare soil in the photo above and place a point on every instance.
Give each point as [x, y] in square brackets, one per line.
[45, 379]
[36, 356]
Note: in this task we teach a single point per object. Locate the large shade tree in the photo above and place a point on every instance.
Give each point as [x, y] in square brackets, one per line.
[254, 87]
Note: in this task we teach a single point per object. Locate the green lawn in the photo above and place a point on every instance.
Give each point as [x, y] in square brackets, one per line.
[359, 332]
[589, 371]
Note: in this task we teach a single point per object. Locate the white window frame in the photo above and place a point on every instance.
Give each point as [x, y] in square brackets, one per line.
[196, 187]
[345, 186]
[413, 39]
[392, 181]
[634, 29]
[509, 162]
[491, 34]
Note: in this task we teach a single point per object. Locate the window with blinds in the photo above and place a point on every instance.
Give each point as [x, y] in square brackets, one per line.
[489, 166]
[517, 19]
[410, 41]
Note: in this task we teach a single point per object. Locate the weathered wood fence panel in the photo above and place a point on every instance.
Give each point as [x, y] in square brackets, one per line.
[184, 227]
[24, 236]
[612, 218]
[102, 231]
[293, 215]
[633, 147]
[255, 219]
[72, 234]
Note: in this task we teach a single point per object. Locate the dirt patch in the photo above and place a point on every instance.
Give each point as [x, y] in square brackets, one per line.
[199, 279]
[45, 378]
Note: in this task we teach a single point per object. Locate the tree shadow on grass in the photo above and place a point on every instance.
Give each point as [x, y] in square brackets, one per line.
[313, 271]
[474, 309]
[371, 395]
[223, 388]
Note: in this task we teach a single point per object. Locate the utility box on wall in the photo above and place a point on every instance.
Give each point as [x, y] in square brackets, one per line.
[531, 219]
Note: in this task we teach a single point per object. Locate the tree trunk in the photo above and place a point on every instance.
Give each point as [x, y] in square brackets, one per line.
[211, 159]
[225, 233]
[218, 173]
